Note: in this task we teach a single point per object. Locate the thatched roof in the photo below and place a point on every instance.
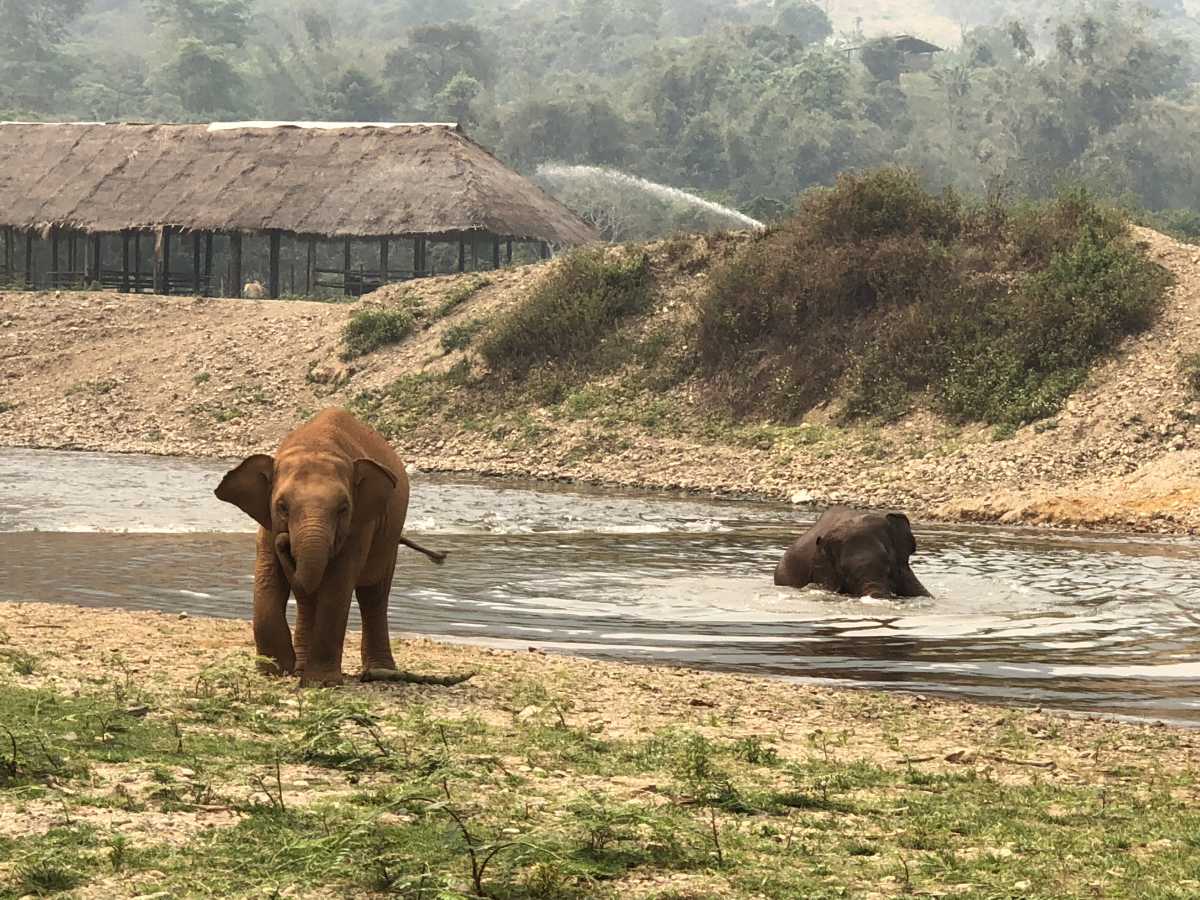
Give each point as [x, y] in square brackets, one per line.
[322, 179]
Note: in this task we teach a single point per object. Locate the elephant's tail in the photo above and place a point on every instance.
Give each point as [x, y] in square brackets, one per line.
[437, 556]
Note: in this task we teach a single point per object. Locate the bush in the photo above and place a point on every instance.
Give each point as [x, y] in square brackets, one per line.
[570, 313]
[1191, 373]
[371, 329]
[459, 337]
[879, 291]
[461, 293]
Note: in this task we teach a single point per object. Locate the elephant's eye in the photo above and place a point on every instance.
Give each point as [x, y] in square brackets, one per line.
[344, 509]
[281, 505]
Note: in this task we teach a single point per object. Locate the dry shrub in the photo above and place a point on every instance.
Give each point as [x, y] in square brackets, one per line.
[884, 291]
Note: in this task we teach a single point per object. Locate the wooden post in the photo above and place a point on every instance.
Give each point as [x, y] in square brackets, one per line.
[235, 264]
[125, 261]
[474, 255]
[70, 254]
[273, 275]
[544, 249]
[53, 256]
[346, 267]
[419, 256]
[94, 261]
[310, 267]
[508, 252]
[162, 262]
[462, 255]
[9, 274]
[196, 263]
[29, 273]
[208, 261]
[383, 261]
[495, 253]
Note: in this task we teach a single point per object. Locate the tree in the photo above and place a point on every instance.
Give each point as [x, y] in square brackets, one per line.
[454, 100]
[440, 52]
[221, 23]
[355, 97]
[803, 19]
[204, 80]
[35, 68]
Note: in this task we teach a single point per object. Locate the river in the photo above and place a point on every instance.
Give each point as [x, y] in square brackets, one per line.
[1101, 623]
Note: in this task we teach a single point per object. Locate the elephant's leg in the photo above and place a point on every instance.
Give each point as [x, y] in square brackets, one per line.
[372, 606]
[327, 632]
[306, 614]
[272, 638]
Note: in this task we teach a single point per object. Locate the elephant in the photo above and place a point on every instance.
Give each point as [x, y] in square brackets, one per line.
[855, 552]
[330, 506]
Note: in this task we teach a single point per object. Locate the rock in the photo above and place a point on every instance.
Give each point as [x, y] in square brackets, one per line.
[528, 713]
[183, 615]
[963, 756]
[802, 496]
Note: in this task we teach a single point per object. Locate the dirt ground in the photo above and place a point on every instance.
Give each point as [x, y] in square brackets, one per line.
[204, 377]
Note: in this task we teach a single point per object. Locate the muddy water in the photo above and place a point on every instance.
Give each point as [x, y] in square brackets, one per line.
[1101, 623]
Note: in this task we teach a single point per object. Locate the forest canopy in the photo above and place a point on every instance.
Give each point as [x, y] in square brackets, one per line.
[748, 103]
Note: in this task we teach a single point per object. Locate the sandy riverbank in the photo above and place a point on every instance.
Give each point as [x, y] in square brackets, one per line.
[202, 377]
[149, 734]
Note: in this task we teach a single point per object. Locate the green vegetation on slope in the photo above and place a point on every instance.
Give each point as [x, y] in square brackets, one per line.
[570, 314]
[883, 292]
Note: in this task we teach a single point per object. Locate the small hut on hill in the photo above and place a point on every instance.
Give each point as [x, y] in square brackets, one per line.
[305, 207]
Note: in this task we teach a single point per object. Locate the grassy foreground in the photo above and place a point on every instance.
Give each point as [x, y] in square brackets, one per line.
[141, 756]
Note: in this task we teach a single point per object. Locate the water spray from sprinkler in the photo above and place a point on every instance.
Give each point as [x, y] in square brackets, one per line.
[555, 171]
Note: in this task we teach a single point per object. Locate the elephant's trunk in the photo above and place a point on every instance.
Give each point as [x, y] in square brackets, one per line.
[310, 546]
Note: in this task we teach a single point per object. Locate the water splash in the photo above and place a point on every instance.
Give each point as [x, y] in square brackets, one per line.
[553, 171]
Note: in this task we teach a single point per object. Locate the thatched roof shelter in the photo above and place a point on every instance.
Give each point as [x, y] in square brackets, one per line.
[328, 181]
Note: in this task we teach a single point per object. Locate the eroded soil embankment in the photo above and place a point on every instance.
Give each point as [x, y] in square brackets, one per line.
[224, 377]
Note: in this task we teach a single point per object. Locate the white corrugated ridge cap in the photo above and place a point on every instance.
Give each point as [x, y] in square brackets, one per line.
[227, 126]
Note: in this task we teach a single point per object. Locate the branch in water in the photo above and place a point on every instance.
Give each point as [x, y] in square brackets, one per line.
[395, 675]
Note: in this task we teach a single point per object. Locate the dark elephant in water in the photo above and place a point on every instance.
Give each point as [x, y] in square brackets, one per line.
[849, 551]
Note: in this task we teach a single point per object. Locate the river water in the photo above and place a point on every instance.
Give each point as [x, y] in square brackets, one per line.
[1102, 623]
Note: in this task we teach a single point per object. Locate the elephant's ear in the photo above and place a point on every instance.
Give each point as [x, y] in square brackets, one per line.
[830, 548]
[373, 486]
[248, 487]
[902, 533]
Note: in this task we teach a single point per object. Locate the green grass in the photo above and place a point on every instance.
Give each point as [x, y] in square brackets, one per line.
[371, 329]
[413, 804]
[463, 290]
[460, 336]
[1190, 368]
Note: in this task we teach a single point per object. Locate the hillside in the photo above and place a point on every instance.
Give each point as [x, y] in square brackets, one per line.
[226, 377]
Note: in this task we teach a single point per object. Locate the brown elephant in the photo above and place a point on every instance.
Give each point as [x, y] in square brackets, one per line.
[864, 554]
[330, 505]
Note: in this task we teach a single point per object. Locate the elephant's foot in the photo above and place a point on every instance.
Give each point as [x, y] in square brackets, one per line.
[321, 678]
[397, 676]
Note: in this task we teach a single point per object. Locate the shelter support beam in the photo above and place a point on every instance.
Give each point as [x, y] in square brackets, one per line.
[346, 267]
[383, 260]
[508, 252]
[273, 275]
[53, 254]
[30, 275]
[208, 262]
[95, 252]
[419, 267]
[495, 253]
[462, 255]
[162, 262]
[235, 264]
[310, 268]
[196, 273]
[125, 261]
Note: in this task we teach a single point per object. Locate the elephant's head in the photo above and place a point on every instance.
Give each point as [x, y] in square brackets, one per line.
[869, 554]
[311, 503]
